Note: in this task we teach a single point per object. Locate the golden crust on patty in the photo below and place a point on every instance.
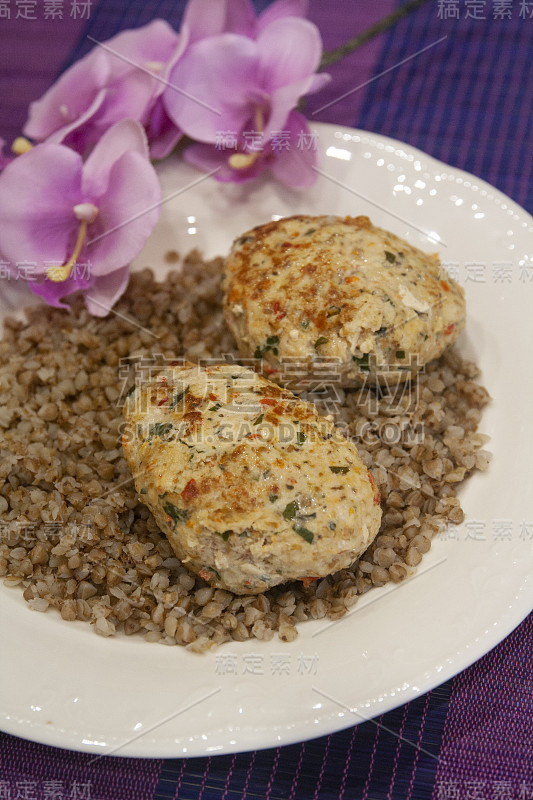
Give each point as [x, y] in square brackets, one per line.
[304, 289]
[251, 486]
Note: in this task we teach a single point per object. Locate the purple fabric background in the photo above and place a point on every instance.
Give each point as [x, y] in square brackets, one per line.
[31, 55]
[468, 101]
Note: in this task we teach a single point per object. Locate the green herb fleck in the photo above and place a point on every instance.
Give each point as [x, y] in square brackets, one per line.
[362, 362]
[130, 390]
[159, 429]
[179, 397]
[300, 438]
[144, 490]
[400, 353]
[245, 239]
[310, 231]
[305, 533]
[340, 470]
[259, 420]
[321, 340]
[272, 498]
[391, 258]
[304, 324]
[215, 573]
[333, 311]
[381, 331]
[175, 513]
[215, 407]
[271, 343]
[225, 535]
[291, 510]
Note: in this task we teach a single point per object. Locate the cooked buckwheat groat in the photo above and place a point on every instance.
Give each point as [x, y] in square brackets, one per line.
[251, 486]
[304, 289]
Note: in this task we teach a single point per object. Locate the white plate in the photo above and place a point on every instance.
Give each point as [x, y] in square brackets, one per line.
[62, 685]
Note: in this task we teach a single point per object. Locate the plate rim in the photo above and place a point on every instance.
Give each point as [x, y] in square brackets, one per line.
[329, 723]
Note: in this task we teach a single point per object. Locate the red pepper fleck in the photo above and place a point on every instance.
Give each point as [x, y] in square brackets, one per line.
[174, 363]
[161, 402]
[254, 436]
[277, 310]
[445, 285]
[274, 488]
[191, 490]
[449, 329]
[268, 401]
[308, 581]
[213, 396]
[205, 574]
[377, 495]
[164, 380]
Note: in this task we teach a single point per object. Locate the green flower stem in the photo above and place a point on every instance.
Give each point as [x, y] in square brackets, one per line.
[379, 27]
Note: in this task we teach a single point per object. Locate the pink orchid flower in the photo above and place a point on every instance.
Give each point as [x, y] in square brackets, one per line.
[80, 224]
[203, 18]
[123, 78]
[239, 96]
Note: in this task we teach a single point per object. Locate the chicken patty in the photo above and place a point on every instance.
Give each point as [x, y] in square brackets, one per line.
[304, 290]
[251, 486]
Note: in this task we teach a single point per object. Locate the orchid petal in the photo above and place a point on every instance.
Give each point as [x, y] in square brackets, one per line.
[106, 290]
[240, 18]
[163, 135]
[125, 136]
[219, 72]
[290, 49]
[53, 292]
[203, 18]
[282, 102]
[165, 143]
[207, 158]
[174, 57]
[294, 167]
[139, 52]
[113, 81]
[129, 97]
[79, 133]
[281, 9]
[72, 99]
[154, 42]
[318, 82]
[38, 192]
[128, 212]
